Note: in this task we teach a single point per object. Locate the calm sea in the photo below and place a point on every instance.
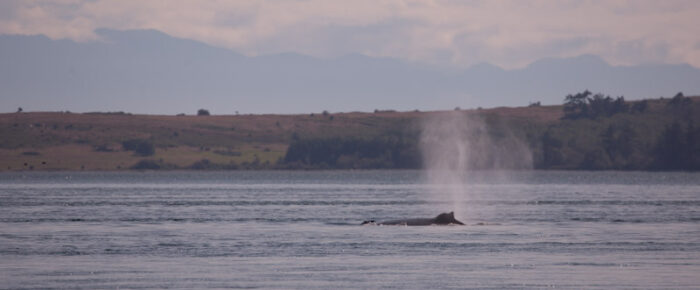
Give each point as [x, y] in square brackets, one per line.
[282, 229]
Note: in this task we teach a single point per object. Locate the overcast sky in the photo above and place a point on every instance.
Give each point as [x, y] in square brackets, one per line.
[510, 34]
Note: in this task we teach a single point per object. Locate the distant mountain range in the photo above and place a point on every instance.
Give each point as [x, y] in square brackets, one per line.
[147, 71]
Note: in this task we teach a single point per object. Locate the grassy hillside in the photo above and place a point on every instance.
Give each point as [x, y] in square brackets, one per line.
[93, 141]
[384, 139]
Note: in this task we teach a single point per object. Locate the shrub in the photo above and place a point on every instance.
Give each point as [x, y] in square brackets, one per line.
[205, 164]
[146, 164]
[102, 148]
[139, 146]
[203, 112]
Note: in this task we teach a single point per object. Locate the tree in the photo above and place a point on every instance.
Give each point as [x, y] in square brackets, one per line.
[621, 144]
[619, 106]
[692, 150]
[583, 105]
[551, 150]
[576, 106]
[679, 102]
[671, 147]
[203, 112]
[595, 159]
[640, 107]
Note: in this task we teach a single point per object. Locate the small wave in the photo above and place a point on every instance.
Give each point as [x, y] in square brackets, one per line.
[610, 202]
[172, 244]
[590, 264]
[341, 224]
[170, 203]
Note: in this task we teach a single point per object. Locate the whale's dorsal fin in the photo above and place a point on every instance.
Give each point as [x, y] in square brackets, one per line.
[446, 215]
[447, 218]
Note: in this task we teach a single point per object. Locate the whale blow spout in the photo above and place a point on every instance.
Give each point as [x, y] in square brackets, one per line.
[442, 219]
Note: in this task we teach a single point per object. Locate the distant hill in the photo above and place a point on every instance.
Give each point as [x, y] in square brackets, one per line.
[594, 134]
[148, 71]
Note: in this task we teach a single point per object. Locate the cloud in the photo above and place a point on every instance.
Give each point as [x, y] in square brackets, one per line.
[443, 32]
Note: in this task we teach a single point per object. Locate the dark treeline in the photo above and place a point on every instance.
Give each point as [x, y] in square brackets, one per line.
[596, 132]
[587, 105]
[346, 153]
[678, 147]
[601, 133]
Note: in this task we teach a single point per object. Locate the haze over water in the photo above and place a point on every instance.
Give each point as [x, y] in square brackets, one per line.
[607, 230]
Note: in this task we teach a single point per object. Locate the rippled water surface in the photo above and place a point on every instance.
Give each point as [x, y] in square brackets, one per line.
[301, 230]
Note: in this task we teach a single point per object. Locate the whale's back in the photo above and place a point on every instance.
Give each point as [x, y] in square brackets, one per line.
[441, 219]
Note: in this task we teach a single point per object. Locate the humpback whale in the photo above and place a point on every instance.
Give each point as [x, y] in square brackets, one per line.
[441, 219]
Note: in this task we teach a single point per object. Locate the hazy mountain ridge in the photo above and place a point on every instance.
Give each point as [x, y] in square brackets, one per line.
[147, 71]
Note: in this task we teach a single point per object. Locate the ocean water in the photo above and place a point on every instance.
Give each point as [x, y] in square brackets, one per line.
[280, 229]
